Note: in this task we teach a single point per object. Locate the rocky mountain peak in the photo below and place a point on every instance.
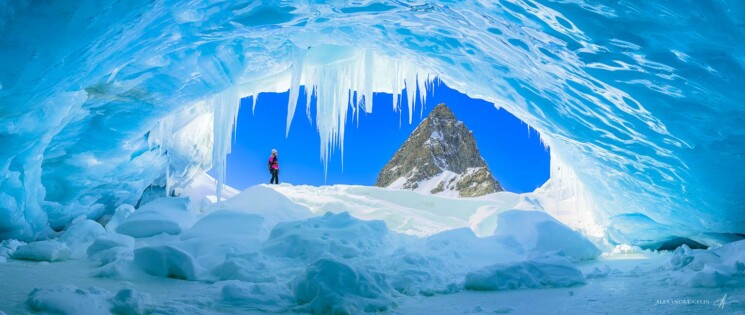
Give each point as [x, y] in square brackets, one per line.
[440, 157]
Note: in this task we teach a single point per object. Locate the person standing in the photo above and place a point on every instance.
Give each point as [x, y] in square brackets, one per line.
[274, 167]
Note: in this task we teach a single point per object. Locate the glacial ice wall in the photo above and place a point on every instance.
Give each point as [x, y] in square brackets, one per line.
[642, 101]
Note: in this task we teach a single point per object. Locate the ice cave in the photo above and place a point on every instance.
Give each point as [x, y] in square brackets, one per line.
[112, 113]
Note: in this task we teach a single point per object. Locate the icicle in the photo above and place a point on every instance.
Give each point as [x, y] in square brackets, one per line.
[410, 83]
[297, 73]
[168, 177]
[344, 77]
[367, 86]
[225, 108]
[255, 99]
[308, 96]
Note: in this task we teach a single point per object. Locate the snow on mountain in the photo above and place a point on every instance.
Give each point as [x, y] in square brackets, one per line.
[439, 157]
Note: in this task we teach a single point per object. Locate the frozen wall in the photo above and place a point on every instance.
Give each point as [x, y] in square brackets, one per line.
[641, 102]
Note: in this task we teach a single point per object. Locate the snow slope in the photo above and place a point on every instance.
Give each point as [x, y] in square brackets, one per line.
[409, 212]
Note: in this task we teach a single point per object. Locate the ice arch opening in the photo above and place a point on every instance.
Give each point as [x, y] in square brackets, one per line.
[512, 149]
[630, 104]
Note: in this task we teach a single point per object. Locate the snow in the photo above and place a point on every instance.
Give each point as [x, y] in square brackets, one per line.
[427, 185]
[403, 211]
[538, 232]
[314, 238]
[202, 192]
[67, 299]
[331, 286]
[271, 205]
[163, 215]
[120, 214]
[80, 235]
[109, 241]
[168, 261]
[262, 296]
[8, 247]
[261, 251]
[720, 267]
[446, 178]
[542, 272]
[50, 250]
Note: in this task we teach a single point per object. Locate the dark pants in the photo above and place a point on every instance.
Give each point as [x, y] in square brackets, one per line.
[275, 176]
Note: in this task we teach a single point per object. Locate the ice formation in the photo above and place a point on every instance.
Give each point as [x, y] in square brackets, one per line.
[103, 99]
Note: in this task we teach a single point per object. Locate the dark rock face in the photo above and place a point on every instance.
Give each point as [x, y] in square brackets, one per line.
[440, 143]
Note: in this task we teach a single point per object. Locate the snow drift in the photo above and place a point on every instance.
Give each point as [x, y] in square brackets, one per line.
[335, 263]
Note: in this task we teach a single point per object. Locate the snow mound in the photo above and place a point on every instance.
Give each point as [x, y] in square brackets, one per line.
[268, 203]
[337, 263]
[227, 224]
[162, 215]
[168, 261]
[202, 191]
[330, 286]
[724, 266]
[248, 267]
[67, 299]
[538, 232]
[130, 302]
[115, 263]
[8, 247]
[414, 273]
[263, 296]
[120, 214]
[461, 249]
[109, 241]
[339, 235]
[80, 235]
[542, 272]
[49, 250]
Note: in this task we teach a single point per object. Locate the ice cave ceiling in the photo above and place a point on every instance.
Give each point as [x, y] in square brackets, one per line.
[640, 101]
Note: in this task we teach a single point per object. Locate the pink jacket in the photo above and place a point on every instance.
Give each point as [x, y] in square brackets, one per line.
[273, 163]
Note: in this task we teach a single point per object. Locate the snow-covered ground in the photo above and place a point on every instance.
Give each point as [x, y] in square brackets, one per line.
[409, 212]
[353, 249]
[636, 285]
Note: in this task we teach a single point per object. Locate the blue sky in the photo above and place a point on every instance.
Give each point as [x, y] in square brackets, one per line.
[513, 151]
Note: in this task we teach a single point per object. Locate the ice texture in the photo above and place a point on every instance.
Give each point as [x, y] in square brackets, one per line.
[538, 232]
[67, 299]
[50, 250]
[109, 241]
[330, 286]
[640, 102]
[542, 272]
[718, 267]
